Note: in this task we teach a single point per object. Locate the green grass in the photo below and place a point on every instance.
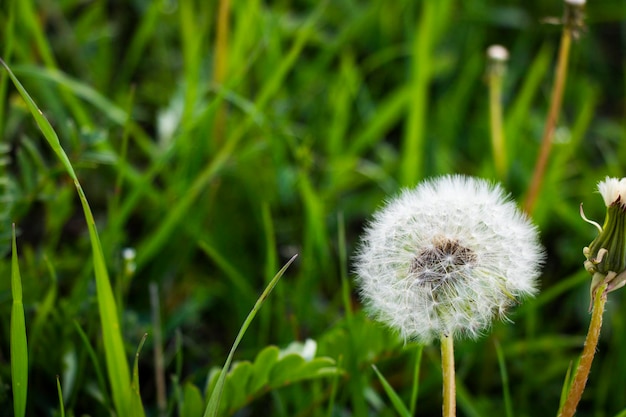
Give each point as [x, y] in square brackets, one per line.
[218, 158]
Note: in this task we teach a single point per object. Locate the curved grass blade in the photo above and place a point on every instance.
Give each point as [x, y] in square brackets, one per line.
[19, 348]
[504, 375]
[136, 405]
[416, 378]
[117, 364]
[61, 405]
[393, 396]
[214, 402]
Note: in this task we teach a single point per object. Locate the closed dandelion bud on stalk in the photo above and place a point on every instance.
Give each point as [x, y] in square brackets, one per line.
[606, 255]
[447, 258]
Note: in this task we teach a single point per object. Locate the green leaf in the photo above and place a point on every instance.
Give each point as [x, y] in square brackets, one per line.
[271, 369]
[19, 348]
[240, 376]
[263, 364]
[286, 369]
[192, 404]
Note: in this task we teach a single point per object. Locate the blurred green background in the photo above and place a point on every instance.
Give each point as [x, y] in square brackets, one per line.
[218, 145]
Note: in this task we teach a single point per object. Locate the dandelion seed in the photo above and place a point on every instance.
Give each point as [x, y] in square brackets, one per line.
[446, 258]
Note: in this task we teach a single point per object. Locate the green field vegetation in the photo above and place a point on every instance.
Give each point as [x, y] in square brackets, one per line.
[217, 140]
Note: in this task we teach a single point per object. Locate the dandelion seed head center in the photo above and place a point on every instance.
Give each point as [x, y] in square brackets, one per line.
[446, 259]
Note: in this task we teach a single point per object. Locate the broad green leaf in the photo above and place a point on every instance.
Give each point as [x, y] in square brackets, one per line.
[271, 369]
[193, 404]
[239, 377]
[286, 369]
[263, 364]
[316, 368]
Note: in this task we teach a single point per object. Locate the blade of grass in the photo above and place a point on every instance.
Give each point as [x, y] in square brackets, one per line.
[214, 402]
[391, 393]
[106, 107]
[412, 164]
[117, 364]
[566, 385]
[60, 392]
[343, 265]
[94, 361]
[466, 402]
[270, 265]
[136, 406]
[8, 41]
[508, 406]
[30, 20]
[19, 347]
[159, 360]
[238, 280]
[333, 389]
[416, 380]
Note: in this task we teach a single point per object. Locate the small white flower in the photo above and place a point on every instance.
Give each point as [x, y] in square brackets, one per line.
[446, 258]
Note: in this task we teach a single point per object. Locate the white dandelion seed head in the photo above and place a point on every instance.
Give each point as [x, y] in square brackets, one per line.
[497, 53]
[446, 258]
[612, 190]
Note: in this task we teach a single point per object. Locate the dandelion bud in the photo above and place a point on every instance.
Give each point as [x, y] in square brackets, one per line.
[446, 258]
[606, 255]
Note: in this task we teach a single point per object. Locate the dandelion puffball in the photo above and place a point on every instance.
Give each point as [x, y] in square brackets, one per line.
[446, 258]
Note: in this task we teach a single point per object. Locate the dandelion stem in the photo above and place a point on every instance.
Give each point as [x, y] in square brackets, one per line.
[495, 122]
[449, 383]
[582, 372]
[553, 115]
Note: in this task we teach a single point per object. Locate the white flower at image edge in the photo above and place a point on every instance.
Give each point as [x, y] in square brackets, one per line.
[447, 258]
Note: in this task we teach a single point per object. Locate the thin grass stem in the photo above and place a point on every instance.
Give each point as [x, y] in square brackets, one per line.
[584, 366]
[159, 360]
[416, 381]
[221, 65]
[449, 382]
[504, 376]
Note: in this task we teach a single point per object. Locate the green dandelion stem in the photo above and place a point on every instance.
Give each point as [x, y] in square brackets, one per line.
[495, 122]
[449, 383]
